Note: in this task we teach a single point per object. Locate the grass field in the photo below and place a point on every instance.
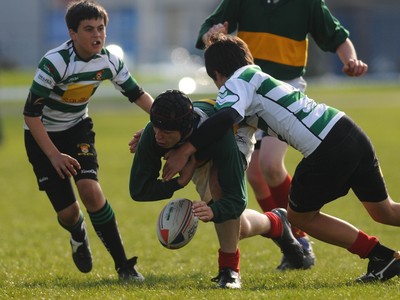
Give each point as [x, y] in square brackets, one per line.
[35, 260]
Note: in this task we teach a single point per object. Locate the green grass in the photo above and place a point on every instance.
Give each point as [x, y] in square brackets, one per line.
[16, 78]
[35, 260]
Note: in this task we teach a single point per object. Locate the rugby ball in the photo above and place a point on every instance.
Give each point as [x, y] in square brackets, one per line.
[176, 224]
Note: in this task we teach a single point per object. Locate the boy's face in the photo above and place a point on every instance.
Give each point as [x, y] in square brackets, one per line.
[167, 138]
[90, 38]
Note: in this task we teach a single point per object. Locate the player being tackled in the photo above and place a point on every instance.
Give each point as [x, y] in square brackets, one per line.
[219, 176]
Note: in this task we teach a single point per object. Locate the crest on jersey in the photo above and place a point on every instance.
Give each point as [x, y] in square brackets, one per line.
[99, 75]
[84, 150]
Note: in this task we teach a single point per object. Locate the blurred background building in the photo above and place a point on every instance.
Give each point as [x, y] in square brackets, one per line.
[163, 32]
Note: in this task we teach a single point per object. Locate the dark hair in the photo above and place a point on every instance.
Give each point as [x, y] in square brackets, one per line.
[78, 11]
[172, 110]
[226, 54]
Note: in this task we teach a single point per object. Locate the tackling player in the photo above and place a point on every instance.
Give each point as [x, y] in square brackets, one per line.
[338, 156]
[277, 33]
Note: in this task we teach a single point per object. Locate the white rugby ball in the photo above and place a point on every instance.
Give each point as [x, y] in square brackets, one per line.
[176, 224]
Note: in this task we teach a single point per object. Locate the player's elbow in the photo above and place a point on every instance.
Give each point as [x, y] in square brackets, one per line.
[137, 194]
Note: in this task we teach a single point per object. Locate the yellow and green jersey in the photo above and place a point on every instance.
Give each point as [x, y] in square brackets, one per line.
[277, 33]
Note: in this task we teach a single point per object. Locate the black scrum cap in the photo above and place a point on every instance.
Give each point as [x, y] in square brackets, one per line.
[172, 110]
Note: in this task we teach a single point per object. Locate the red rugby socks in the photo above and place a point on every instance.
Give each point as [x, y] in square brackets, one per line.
[229, 260]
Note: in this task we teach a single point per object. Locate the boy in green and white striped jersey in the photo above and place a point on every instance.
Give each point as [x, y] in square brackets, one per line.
[59, 136]
[338, 156]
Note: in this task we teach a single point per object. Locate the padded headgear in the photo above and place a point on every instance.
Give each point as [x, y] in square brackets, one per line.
[172, 110]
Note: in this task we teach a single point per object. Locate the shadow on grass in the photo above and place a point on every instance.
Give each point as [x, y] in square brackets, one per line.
[173, 281]
[193, 281]
[314, 283]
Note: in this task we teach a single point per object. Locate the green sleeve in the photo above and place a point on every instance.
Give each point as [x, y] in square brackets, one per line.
[145, 183]
[227, 159]
[227, 10]
[325, 29]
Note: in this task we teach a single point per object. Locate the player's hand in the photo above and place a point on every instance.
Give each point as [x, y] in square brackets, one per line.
[217, 28]
[135, 141]
[65, 165]
[175, 162]
[355, 68]
[187, 172]
[202, 211]
[176, 159]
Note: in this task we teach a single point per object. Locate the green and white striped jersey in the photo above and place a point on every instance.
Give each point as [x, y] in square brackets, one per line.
[277, 108]
[66, 83]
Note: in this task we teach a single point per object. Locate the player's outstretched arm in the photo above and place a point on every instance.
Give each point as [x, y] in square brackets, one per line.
[145, 101]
